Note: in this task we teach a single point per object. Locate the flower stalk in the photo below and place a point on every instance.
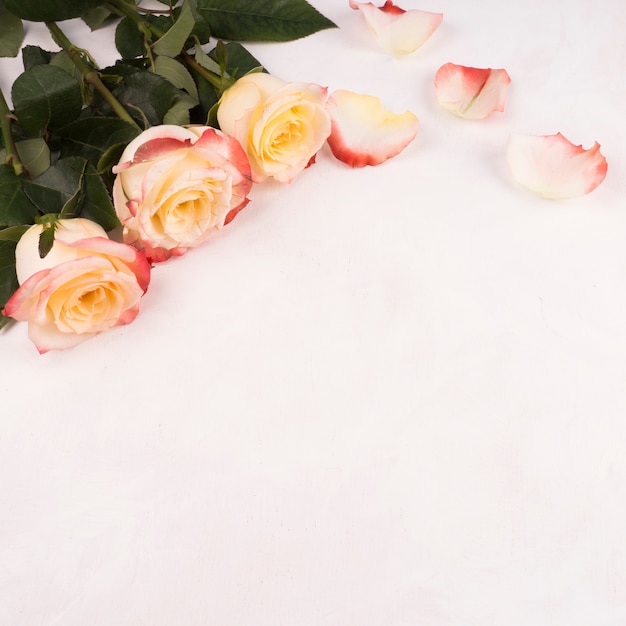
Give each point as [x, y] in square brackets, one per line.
[6, 118]
[151, 30]
[90, 76]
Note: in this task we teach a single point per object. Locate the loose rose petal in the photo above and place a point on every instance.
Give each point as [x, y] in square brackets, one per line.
[470, 92]
[553, 167]
[363, 132]
[398, 31]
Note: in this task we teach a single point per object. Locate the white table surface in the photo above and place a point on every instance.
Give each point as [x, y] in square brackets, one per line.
[392, 396]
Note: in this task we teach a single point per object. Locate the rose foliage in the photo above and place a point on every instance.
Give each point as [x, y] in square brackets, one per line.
[73, 126]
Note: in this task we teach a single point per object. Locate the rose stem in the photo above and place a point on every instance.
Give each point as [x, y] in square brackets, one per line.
[89, 75]
[12, 157]
[132, 13]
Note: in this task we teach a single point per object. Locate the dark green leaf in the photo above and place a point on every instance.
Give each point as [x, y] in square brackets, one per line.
[262, 20]
[201, 29]
[8, 278]
[54, 188]
[11, 33]
[97, 205]
[109, 158]
[63, 61]
[34, 55]
[95, 18]
[13, 233]
[143, 94]
[92, 136]
[50, 10]
[72, 206]
[129, 40]
[46, 96]
[73, 185]
[15, 207]
[238, 61]
[208, 99]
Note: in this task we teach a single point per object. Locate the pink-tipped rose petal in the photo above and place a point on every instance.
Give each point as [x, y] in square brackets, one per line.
[397, 31]
[470, 92]
[553, 167]
[363, 132]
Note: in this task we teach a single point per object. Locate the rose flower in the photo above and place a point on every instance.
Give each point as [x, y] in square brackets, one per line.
[280, 125]
[176, 186]
[85, 285]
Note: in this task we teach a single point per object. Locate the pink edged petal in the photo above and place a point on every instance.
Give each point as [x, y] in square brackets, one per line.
[154, 254]
[469, 92]
[135, 260]
[47, 338]
[397, 31]
[153, 149]
[163, 133]
[232, 214]
[553, 167]
[229, 150]
[125, 209]
[363, 132]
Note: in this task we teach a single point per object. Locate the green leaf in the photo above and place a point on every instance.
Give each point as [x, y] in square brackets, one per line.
[262, 20]
[11, 33]
[55, 187]
[46, 96]
[206, 61]
[15, 207]
[173, 42]
[8, 277]
[50, 10]
[72, 206]
[208, 99]
[238, 61]
[13, 233]
[34, 155]
[91, 137]
[201, 30]
[143, 94]
[129, 40]
[34, 55]
[95, 18]
[179, 112]
[73, 186]
[110, 158]
[63, 61]
[97, 205]
[177, 74]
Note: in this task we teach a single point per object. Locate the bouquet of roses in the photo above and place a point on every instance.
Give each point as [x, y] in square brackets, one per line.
[166, 144]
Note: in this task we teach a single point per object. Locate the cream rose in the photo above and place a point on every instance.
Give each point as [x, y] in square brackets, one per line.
[176, 186]
[86, 284]
[280, 125]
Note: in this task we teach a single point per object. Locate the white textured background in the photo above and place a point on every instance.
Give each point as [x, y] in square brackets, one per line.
[384, 397]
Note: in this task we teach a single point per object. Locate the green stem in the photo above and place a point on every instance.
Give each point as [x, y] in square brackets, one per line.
[6, 117]
[90, 75]
[215, 80]
[133, 14]
[147, 28]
